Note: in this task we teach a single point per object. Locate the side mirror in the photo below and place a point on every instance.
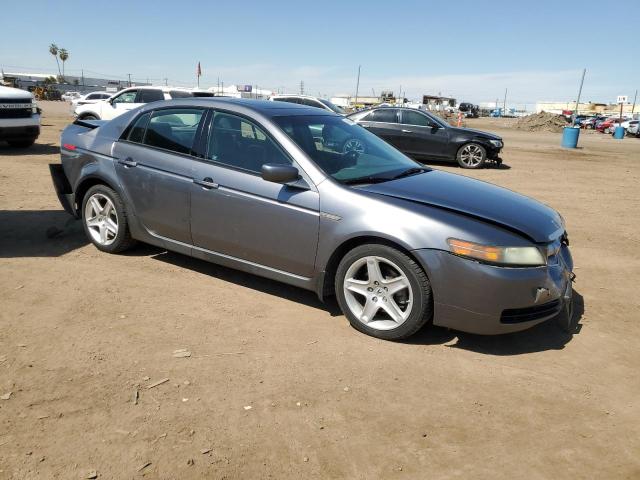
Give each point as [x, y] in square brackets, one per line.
[279, 173]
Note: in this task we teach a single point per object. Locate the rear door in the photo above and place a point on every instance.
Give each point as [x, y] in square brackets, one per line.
[155, 166]
[236, 213]
[423, 136]
[385, 123]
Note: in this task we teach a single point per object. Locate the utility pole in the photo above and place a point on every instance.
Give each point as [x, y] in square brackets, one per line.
[578, 99]
[165, 81]
[82, 74]
[504, 111]
[129, 78]
[301, 87]
[357, 86]
[633, 107]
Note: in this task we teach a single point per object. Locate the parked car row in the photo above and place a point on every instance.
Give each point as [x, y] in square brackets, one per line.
[607, 124]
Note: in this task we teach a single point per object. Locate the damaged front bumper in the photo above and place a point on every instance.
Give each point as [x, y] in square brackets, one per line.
[478, 298]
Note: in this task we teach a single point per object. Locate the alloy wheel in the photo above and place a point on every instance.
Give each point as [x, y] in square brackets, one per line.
[471, 155]
[101, 219]
[378, 293]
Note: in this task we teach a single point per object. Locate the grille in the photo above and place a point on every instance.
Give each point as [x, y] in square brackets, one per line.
[15, 113]
[518, 315]
[15, 100]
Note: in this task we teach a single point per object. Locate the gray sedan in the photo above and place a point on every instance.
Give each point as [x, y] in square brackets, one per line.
[309, 198]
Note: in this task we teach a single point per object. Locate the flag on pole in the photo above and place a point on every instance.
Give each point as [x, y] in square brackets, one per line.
[199, 73]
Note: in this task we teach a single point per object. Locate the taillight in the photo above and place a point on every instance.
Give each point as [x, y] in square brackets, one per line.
[68, 146]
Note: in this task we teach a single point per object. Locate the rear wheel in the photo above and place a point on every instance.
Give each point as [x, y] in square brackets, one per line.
[89, 117]
[471, 155]
[383, 292]
[105, 220]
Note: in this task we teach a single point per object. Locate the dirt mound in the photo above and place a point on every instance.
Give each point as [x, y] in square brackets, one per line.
[541, 122]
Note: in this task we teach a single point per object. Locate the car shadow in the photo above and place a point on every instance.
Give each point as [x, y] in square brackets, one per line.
[39, 233]
[247, 280]
[544, 336]
[35, 149]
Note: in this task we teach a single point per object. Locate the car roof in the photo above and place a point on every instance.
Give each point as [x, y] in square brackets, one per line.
[264, 107]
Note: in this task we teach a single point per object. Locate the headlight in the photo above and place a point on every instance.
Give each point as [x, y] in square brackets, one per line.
[34, 107]
[496, 143]
[512, 256]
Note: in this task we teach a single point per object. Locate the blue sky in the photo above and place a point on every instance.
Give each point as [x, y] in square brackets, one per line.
[472, 50]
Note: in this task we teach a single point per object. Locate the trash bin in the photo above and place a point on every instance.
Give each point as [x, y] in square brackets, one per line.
[570, 137]
[618, 133]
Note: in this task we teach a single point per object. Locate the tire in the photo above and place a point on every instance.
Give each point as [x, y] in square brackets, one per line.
[114, 237]
[472, 156]
[22, 143]
[606, 130]
[90, 117]
[363, 296]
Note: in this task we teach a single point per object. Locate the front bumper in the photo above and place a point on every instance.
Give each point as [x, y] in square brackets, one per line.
[20, 128]
[485, 299]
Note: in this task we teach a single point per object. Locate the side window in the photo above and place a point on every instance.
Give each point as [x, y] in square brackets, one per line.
[386, 115]
[93, 96]
[173, 129]
[105, 95]
[240, 143]
[136, 131]
[309, 102]
[150, 95]
[126, 97]
[286, 99]
[180, 94]
[415, 118]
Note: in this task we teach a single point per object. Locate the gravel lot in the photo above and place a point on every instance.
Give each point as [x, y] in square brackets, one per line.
[82, 331]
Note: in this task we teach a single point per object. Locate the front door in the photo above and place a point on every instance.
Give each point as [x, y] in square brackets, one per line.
[156, 170]
[236, 213]
[124, 102]
[423, 136]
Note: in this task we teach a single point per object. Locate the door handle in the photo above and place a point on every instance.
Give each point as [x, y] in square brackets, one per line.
[206, 183]
[128, 162]
[406, 131]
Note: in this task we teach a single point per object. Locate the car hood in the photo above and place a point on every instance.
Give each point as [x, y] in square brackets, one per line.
[479, 133]
[477, 199]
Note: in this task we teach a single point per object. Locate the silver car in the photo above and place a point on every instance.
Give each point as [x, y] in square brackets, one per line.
[307, 197]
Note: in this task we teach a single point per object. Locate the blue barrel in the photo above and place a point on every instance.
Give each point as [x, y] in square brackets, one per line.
[570, 137]
[618, 132]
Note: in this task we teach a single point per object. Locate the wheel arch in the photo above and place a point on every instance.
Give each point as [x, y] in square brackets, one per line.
[327, 276]
[84, 115]
[84, 186]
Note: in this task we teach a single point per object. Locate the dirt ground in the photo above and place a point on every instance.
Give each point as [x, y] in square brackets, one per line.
[278, 385]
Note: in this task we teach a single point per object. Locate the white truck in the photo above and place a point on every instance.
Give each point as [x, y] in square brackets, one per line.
[19, 117]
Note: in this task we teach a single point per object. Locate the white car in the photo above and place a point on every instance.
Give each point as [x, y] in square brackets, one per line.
[70, 96]
[131, 98]
[633, 128]
[92, 97]
[19, 117]
[309, 101]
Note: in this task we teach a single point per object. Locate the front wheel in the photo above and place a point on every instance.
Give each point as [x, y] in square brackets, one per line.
[383, 292]
[105, 220]
[471, 155]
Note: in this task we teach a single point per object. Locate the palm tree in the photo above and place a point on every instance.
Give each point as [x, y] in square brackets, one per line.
[53, 50]
[64, 55]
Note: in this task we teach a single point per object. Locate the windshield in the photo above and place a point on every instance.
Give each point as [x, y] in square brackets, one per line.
[344, 150]
[333, 107]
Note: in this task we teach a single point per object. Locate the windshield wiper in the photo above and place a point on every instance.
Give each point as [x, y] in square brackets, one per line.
[360, 180]
[411, 171]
